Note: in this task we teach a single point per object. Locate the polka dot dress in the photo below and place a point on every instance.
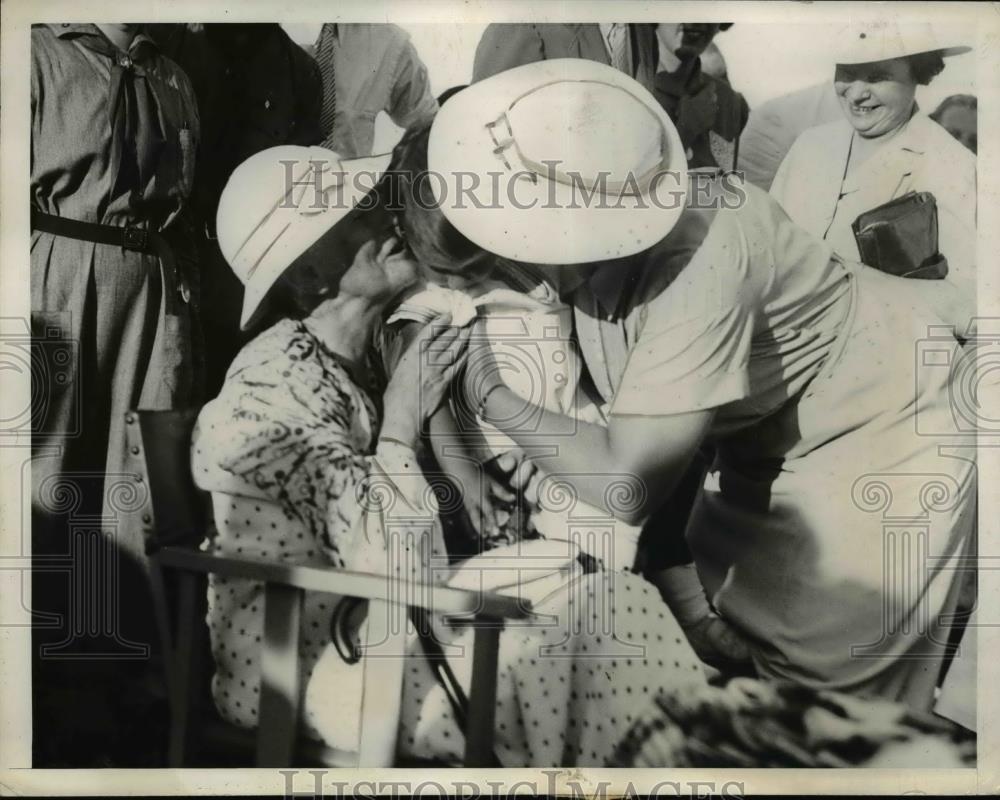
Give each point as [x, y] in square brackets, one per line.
[571, 680]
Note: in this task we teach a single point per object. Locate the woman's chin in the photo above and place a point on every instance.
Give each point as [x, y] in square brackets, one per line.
[870, 128]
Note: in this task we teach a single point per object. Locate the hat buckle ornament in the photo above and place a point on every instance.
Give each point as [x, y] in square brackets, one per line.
[584, 149]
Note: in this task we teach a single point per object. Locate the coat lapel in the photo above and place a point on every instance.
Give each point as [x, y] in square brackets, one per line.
[828, 181]
[645, 53]
[590, 335]
[590, 43]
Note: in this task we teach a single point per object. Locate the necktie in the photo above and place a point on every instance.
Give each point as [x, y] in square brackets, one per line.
[136, 140]
[325, 57]
[618, 47]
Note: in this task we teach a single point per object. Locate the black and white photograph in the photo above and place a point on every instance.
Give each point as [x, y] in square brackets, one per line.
[501, 391]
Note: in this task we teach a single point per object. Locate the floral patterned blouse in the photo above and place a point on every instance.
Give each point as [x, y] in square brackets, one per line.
[287, 451]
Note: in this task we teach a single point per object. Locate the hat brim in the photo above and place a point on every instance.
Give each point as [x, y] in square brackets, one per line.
[859, 58]
[308, 229]
[543, 221]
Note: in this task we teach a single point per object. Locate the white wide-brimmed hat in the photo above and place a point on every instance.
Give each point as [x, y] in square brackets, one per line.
[278, 203]
[865, 43]
[558, 162]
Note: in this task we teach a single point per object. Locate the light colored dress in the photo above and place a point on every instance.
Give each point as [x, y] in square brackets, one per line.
[530, 331]
[831, 524]
[812, 187]
[287, 452]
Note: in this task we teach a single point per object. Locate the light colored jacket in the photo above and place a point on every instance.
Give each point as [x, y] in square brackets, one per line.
[508, 45]
[376, 68]
[811, 187]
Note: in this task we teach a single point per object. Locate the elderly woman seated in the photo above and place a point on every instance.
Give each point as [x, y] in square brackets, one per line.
[307, 429]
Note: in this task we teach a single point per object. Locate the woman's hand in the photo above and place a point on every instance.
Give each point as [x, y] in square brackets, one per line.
[421, 378]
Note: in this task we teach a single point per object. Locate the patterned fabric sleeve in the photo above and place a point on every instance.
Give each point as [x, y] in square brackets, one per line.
[296, 429]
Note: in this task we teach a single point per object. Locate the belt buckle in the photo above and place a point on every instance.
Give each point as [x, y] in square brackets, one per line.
[135, 239]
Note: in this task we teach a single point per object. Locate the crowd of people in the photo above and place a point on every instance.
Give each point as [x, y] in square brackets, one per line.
[713, 379]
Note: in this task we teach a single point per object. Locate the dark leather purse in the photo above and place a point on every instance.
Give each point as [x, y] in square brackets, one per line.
[901, 237]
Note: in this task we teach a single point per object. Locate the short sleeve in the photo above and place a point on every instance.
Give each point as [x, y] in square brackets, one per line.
[504, 46]
[693, 346]
[411, 99]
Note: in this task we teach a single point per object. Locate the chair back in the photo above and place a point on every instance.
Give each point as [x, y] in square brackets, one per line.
[180, 510]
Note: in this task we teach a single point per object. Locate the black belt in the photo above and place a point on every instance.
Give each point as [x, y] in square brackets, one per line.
[128, 237]
[132, 238]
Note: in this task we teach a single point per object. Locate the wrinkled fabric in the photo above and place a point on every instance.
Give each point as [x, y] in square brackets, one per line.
[808, 363]
[507, 45]
[377, 69]
[113, 141]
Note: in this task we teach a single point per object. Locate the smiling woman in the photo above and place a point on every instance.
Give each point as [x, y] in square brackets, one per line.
[877, 98]
[883, 150]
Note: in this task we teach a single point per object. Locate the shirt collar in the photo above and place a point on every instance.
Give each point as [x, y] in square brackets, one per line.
[607, 28]
[65, 29]
[71, 29]
[912, 139]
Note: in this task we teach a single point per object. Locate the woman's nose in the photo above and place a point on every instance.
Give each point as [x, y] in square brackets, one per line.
[857, 91]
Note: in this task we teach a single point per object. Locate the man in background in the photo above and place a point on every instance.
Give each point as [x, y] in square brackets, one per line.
[256, 89]
[367, 69]
[708, 114]
[629, 47]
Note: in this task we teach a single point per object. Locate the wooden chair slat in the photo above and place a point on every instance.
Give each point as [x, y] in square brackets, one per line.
[482, 694]
[280, 687]
[181, 520]
[187, 664]
[384, 663]
[445, 600]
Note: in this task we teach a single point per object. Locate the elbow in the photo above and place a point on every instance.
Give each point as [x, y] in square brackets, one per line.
[630, 499]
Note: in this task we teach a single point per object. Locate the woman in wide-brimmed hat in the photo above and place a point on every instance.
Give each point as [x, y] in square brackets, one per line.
[719, 319]
[299, 457]
[882, 149]
[305, 425]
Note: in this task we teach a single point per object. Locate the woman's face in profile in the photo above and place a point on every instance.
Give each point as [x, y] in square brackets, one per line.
[876, 98]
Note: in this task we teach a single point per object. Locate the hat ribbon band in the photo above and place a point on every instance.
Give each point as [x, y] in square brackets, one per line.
[632, 185]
